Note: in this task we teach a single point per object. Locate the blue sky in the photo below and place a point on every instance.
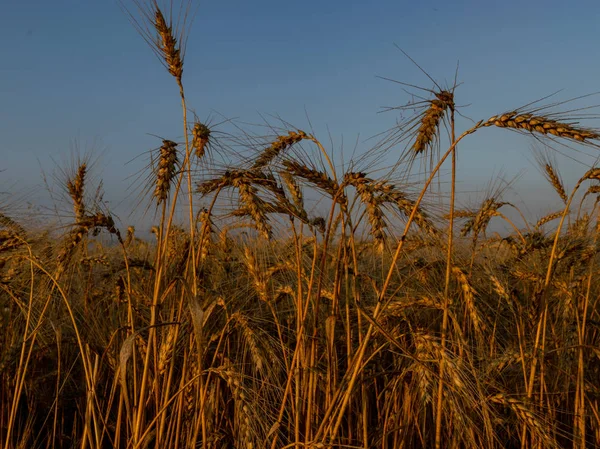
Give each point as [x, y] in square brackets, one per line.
[77, 70]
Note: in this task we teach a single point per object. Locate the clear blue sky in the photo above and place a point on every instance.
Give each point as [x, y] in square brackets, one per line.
[77, 69]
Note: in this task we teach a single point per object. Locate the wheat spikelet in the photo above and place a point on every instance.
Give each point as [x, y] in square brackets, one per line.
[91, 260]
[244, 410]
[556, 182]
[451, 362]
[258, 279]
[167, 167]
[592, 190]
[75, 187]
[120, 290]
[431, 119]
[250, 339]
[75, 237]
[206, 232]
[296, 193]
[526, 416]
[200, 138]
[178, 242]
[479, 223]
[423, 374]
[406, 206]
[509, 357]
[396, 308]
[129, 238]
[499, 288]
[89, 222]
[141, 345]
[190, 394]
[547, 162]
[580, 226]
[165, 351]
[372, 203]
[459, 213]
[282, 203]
[255, 205]
[283, 291]
[469, 297]
[211, 185]
[593, 173]
[315, 177]
[542, 125]
[167, 45]
[277, 147]
[548, 218]
[98, 221]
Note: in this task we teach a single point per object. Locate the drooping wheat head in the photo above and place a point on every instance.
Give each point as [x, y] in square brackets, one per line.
[479, 223]
[372, 203]
[295, 192]
[277, 147]
[548, 218]
[319, 179]
[543, 125]
[406, 206]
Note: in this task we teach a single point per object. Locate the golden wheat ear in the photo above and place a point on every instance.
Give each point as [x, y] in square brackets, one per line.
[277, 147]
[542, 121]
[166, 171]
[431, 120]
[164, 32]
[200, 138]
[548, 166]
[75, 187]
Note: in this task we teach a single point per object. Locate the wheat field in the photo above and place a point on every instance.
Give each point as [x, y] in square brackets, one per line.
[285, 302]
